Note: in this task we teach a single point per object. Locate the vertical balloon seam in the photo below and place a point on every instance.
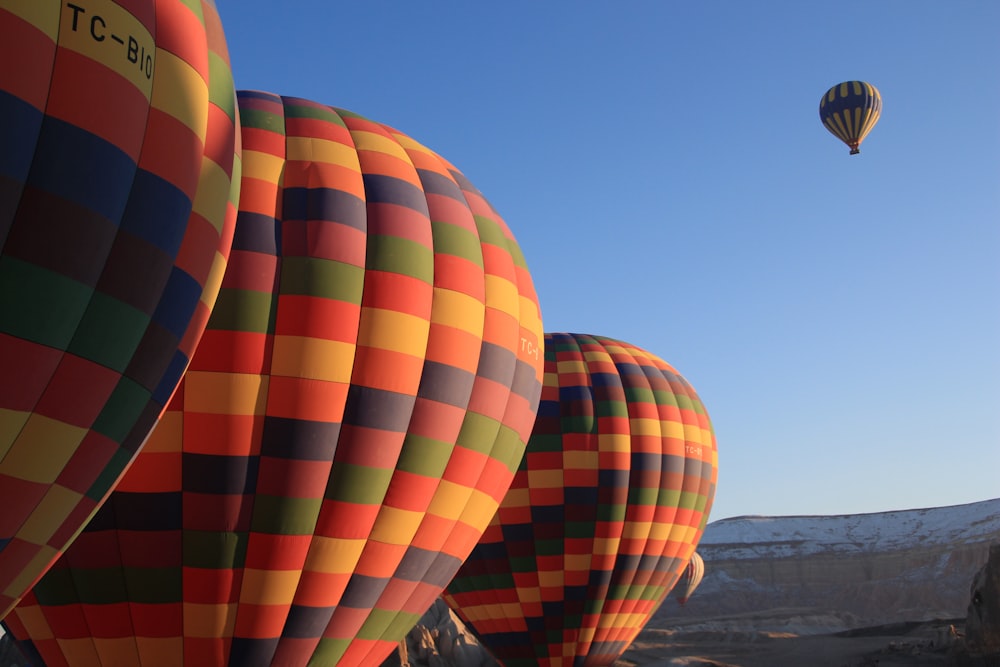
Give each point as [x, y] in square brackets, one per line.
[132, 639]
[45, 116]
[227, 372]
[537, 636]
[93, 288]
[707, 482]
[583, 371]
[328, 643]
[406, 443]
[648, 578]
[692, 469]
[502, 424]
[624, 579]
[612, 501]
[420, 576]
[63, 353]
[539, 375]
[666, 560]
[211, 280]
[41, 109]
[290, 107]
[373, 614]
[534, 591]
[378, 226]
[507, 258]
[142, 168]
[512, 396]
[245, 604]
[577, 348]
[230, 371]
[81, 600]
[204, 176]
[202, 134]
[227, 221]
[872, 111]
[319, 645]
[486, 606]
[567, 348]
[296, 109]
[681, 391]
[216, 274]
[677, 391]
[669, 567]
[573, 350]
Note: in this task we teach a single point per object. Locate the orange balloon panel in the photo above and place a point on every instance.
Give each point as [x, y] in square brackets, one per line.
[353, 415]
[118, 179]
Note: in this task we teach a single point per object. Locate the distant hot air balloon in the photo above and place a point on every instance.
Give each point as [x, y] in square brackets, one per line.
[119, 171]
[693, 574]
[609, 503]
[850, 110]
[353, 415]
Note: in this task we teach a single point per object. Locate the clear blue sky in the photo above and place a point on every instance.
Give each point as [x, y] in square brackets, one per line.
[663, 166]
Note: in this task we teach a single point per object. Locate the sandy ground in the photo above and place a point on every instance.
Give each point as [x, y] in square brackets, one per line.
[917, 643]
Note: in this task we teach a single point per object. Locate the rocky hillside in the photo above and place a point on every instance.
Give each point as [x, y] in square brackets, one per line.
[861, 569]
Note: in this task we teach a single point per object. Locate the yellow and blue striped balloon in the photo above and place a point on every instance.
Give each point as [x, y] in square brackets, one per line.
[850, 110]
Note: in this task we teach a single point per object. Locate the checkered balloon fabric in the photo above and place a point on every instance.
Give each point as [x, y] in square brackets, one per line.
[349, 424]
[119, 174]
[604, 513]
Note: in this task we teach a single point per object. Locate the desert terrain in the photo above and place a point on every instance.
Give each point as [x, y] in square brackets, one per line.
[759, 641]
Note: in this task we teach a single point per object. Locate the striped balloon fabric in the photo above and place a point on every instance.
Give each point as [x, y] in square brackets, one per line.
[604, 513]
[350, 422]
[693, 574]
[119, 173]
[850, 110]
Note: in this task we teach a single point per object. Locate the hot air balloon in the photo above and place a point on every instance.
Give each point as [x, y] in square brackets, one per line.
[850, 110]
[119, 175]
[604, 512]
[350, 421]
[693, 574]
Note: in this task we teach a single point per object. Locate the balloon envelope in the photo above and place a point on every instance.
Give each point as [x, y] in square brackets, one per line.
[118, 179]
[352, 417]
[693, 574]
[609, 502]
[850, 110]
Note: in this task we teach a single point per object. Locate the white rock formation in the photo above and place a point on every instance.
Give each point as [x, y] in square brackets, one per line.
[865, 569]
